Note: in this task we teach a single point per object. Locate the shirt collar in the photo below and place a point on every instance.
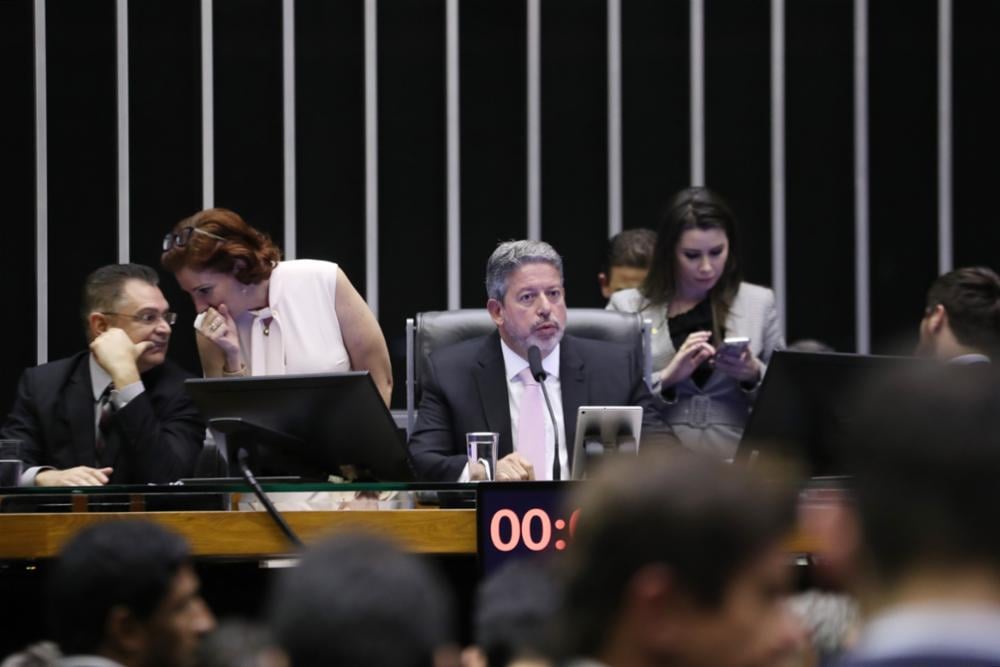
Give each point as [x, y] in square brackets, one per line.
[515, 363]
[99, 378]
[933, 628]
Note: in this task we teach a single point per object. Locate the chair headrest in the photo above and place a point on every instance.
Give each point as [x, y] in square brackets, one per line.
[439, 329]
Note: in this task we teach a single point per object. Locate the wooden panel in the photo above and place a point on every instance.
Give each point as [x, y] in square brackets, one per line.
[249, 534]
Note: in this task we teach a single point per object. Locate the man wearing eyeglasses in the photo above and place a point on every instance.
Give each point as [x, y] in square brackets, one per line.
[118, 412]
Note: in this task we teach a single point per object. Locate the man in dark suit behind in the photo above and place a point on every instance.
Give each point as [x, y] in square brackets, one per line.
[925, 493]
[117, 412]
[481, 384]
[961, 322]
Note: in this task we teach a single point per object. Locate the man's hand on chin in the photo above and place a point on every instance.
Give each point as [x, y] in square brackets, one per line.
[78, 476]
[117, 354]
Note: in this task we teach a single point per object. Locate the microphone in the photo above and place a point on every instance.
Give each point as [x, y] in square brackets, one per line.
[243, 458]
[535, 364]
[537, 372]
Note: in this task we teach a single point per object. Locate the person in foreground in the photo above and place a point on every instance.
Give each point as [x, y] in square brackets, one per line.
[262, 316]
[125, 593]
[696, 299]
[117, 412]
[924, 498]
[961, 323]
[677, 560]
[627, 261]
[485, 384]
[359, 600]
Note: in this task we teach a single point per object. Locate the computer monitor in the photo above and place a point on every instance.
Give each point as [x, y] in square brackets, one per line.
[305, 423]
[804, 405]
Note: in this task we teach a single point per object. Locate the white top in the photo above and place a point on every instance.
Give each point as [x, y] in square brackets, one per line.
[303, 335]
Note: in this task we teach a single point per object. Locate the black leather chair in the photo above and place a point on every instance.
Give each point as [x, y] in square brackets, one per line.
[433, 330]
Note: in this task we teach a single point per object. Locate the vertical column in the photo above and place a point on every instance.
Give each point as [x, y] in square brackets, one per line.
[534, 120]
[861, 250]
[121, 53]
[41, 188]
[371, 155]
[207, 108]
[778, 156]
[697, 92]
[453, 157]
[614, 117]
[945, 245]
[288, 120]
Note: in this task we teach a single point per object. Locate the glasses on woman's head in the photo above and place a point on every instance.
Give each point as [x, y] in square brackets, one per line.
[180, 239]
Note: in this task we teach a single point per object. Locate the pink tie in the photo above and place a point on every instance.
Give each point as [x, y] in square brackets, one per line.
[531, 425]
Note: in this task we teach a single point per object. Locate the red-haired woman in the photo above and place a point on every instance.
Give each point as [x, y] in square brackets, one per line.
[259, 315]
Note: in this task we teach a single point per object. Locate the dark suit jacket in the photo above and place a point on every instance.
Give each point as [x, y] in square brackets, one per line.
[155, 438]
[466, 391]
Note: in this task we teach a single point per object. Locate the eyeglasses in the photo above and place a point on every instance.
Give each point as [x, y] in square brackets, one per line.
[148, 318]
[180, 239]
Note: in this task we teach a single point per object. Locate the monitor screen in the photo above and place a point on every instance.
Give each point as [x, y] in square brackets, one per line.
[804, 405]
[318, 422]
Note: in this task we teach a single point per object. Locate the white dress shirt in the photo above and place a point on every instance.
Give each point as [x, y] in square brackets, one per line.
[514, 364]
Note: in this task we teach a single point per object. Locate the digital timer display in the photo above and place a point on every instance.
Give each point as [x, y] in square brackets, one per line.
[534, 530]
[522, 519]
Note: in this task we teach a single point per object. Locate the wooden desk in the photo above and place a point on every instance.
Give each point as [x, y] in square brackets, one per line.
[250, 534]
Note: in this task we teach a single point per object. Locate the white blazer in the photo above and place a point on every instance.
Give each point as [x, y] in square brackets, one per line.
[710, 419]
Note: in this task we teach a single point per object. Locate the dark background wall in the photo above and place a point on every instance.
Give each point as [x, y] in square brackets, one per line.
[165, 144]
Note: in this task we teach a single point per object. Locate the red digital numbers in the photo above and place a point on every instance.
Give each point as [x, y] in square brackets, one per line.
[513, 527]
[533, 530]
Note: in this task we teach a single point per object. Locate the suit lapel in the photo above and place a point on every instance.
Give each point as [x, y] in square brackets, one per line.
[491, 380]
[573, 381]
[77, 414]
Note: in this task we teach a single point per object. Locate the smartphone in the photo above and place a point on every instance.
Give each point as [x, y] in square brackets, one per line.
[733, 347]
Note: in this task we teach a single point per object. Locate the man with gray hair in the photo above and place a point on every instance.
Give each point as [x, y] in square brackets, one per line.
[485, 384]
[117, 412]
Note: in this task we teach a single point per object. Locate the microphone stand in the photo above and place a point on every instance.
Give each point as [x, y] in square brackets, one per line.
[535, 363]
[242, 457]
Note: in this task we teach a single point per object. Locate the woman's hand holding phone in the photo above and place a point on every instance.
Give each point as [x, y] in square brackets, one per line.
[737, 361]
[692, 354]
